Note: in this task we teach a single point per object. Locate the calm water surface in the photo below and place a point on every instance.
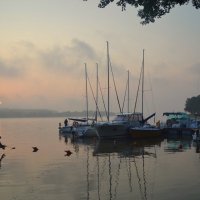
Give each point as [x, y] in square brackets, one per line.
[160, 169]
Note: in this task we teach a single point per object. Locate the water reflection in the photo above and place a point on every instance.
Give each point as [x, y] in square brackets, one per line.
[97, 169]
[121, 168]
[181, 145]
[196, 144]
[132, 154]
[126, 147]
[178, 145]
[118, 167]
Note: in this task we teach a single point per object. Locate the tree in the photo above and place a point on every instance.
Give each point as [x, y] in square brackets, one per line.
[149, 10]
[192, 105]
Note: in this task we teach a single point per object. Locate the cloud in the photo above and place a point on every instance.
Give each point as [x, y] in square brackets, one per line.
[26, 45]
[195, 68]
[10, 70]
[18, 60]
[54, 59]
[26, 57]
[67, 59]
[60, 60]
[83, 49]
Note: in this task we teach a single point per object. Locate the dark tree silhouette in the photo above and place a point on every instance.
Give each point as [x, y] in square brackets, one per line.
[149, 10]
[192, 105]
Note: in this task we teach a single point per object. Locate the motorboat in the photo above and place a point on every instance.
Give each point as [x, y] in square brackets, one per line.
[85, 130]
[119, 126]
[178, 124]
[80, 127]
[145, 131]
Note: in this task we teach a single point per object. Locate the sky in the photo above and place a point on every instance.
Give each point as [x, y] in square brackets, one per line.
[46, 44]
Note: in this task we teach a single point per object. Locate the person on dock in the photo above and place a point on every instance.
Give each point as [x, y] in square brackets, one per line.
[66, 122]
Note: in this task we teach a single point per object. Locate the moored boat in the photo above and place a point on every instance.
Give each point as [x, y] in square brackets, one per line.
[178, 124]
[86, 130]
[79, 128]
[68, 126]
[119, 126]
[146, 131]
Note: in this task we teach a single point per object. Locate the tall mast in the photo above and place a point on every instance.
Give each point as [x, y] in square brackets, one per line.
[97, 90]
[128, 91]
[108, 63]
[143, 83]
[86, 92]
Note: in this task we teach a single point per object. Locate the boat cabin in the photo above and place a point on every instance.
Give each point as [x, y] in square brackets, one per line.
[128, 117]
[177, 120]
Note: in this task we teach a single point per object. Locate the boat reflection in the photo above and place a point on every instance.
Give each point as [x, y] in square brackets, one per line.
[119, 167]
[78, 143]
[116, 168]
[129, 148]
[130, 159]
[126, 147]
[178, 145]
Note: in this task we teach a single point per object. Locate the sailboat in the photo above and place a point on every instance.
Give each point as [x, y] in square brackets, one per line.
[119, 126]
[87, 129]
[145, 130]
[80, 127]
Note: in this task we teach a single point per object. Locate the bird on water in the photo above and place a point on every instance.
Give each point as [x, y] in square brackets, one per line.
[35, 149]
[2, 146]
[68, 152]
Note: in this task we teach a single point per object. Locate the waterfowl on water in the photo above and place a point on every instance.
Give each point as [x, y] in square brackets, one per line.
[35, 149]
[1, 158]
[2, 146]
[68, 152]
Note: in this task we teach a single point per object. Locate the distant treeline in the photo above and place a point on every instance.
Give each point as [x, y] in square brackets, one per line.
[23, 113]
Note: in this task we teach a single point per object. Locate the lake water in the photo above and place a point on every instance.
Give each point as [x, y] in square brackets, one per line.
[160, 169]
